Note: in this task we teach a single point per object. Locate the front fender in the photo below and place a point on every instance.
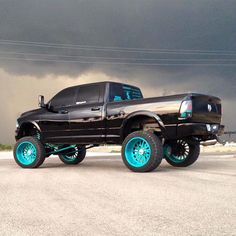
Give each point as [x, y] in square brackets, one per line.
[23, 127]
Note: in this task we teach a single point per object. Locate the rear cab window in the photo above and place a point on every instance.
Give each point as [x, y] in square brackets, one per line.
[122, 92]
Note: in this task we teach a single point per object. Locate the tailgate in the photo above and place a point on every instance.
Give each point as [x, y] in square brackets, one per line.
[206, 109]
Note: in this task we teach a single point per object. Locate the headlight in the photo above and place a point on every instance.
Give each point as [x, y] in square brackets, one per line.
[208, 127]
[17, 124]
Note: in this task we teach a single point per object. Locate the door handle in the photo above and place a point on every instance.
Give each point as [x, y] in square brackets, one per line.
[122, 113]
[95, 109]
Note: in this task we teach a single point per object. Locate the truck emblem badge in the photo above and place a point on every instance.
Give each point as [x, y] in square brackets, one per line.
[209, 108]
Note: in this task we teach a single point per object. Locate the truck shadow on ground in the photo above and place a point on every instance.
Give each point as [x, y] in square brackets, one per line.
[117, 165]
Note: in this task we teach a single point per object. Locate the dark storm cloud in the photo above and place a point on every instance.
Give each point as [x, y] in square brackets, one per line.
[177, 24]
[182, 24]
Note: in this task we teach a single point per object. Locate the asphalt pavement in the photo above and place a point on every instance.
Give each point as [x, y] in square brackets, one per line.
[102, 197]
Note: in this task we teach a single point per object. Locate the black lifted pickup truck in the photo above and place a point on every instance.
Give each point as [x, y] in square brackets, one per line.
[149, 129]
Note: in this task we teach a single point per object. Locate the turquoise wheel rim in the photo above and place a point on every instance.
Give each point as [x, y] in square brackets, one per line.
[26, 153]
[71, 157]
[138, 152]
[177, 159]
[182, 153]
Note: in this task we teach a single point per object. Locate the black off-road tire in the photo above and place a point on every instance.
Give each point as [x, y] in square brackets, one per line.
[40, 152]
[78, 156]
[191, 157]
[156, 151]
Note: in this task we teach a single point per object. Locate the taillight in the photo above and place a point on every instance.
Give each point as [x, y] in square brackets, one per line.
[186, 109]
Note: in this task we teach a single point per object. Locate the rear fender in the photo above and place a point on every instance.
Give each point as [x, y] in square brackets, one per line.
[147, 114]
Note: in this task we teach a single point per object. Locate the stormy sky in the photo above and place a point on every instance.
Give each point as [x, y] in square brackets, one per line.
[165, 47]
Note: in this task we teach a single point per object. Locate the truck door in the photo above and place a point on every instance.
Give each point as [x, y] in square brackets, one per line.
[55, 122]
[87, 116]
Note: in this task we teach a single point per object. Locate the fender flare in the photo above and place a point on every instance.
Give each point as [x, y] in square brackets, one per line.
[147, 114]
[21, 127]
[34, 123]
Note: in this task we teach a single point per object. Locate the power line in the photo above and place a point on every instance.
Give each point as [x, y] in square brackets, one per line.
[118, 49]
[118, 63]
[112, 47]
[114, 58]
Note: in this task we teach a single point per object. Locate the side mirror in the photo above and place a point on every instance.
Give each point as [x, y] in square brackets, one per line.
[41, 101]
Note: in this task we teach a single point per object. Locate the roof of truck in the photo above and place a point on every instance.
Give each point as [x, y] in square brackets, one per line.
[107, 82]
[104, 82]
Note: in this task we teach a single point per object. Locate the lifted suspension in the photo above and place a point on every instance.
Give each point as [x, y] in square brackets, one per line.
[55, 149]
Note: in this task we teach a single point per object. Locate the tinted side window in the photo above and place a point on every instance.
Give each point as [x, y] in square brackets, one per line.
[88, 94]
[119, 92]
[116, 93]
[64, 98]
[131, 93]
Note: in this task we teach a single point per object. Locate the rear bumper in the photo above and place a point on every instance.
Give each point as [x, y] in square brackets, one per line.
[199, 129]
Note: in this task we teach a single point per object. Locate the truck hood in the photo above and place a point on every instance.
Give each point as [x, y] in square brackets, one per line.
[32, 112]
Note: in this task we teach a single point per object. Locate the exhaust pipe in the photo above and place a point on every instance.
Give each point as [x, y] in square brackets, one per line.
[213, 142]
[209, 143]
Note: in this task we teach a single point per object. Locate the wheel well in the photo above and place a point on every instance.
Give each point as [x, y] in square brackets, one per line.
[141, 122]
[27, 129]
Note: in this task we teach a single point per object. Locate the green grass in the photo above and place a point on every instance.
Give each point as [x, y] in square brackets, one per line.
[5, 147]
[115, 151]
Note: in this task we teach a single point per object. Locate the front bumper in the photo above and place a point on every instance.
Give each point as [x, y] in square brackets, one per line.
[17, 131]
[200, 130]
